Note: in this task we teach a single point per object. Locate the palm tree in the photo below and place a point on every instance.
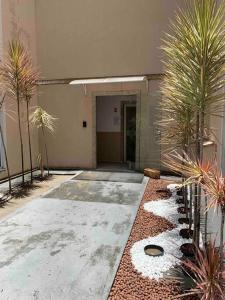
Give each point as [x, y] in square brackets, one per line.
[206, 274]
[195, 69]
[4, 147]
[194, 172]
[42, 120]
[176, 129]
[12, 76]
[30, 76]
[210, 178]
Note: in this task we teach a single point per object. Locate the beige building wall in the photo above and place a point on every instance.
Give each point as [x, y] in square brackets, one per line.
[87, 38]
[75, 146]
[18, 20]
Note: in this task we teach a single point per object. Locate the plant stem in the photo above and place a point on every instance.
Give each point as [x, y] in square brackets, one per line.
[221, 237]
[191, 207]
[29, 140]
[20, 132]
[6, 159]
[46, 150]
[206, 220]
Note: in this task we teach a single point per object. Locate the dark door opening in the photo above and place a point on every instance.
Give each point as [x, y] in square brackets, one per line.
[116, 131]
[130, 133]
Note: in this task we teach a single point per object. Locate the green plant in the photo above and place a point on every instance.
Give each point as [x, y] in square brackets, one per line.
[30, 77]
[194, 172]
[206, 274]
[210, 178]
[12, 71]
[42, 120]
[195, 70]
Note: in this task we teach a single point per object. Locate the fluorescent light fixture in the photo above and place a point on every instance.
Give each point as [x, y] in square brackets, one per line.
[108, 80]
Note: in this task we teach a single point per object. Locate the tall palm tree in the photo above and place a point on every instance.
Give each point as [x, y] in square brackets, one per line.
[30, 77]
[195, 69]
[42, 120]
[176, 129]
[12, 76]
[209, 176]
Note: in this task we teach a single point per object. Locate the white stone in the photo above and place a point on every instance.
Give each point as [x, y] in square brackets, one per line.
[155, 267]
[164, 208]
[170, 240]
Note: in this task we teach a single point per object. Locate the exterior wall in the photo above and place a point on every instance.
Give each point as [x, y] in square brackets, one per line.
[85, 38]
[75, 146]
[18, 20]
[217, 124]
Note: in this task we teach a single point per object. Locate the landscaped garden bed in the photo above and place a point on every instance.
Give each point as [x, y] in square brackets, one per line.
[138, 277]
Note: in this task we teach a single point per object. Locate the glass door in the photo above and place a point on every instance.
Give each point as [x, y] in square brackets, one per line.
[130, 132]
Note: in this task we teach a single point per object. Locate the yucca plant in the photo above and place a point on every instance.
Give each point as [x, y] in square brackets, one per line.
[30, 77]
[210, 178]
[42, 120]
[176, 125]
[192, 170]
[206, 274]
[4, 146]
[195, 69]
[12, 77]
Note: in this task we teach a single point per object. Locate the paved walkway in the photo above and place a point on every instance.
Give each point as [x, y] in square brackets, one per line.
[68, 244]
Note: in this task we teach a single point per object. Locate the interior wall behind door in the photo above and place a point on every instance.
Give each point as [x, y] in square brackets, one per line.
[109, 132]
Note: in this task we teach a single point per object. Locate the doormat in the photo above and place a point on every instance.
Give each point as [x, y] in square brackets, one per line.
[110, 176]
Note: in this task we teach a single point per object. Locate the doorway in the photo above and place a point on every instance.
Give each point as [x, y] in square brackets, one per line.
[116, 131]
[130, 134]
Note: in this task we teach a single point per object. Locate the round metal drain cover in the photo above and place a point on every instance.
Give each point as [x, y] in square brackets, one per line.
[154, 250]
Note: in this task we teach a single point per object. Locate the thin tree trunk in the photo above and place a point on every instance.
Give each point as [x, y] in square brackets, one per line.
[199, 157]
[206, 221]
[184, 188]
[46, 150]
[29, 140]
[20, 135]
[6, 159]
[221, 237]
[185, 148]
[195, 235]
[191, 208]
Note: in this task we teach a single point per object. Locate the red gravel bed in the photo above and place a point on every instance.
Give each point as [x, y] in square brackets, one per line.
[128, 283]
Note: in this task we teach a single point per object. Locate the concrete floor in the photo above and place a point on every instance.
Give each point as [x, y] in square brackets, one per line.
[67, 249]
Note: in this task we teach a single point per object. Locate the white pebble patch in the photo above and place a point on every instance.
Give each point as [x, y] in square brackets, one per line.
[173, 186]
[154, 267]
[164, 208]
[170, 240]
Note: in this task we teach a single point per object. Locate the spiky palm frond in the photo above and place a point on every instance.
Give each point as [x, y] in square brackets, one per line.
[30, 77]
[12, 69]
[196, 56]
[214, 186]
[177, 130]
[206, 273]
[191, 169]
[194, 69]
[40, 118]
